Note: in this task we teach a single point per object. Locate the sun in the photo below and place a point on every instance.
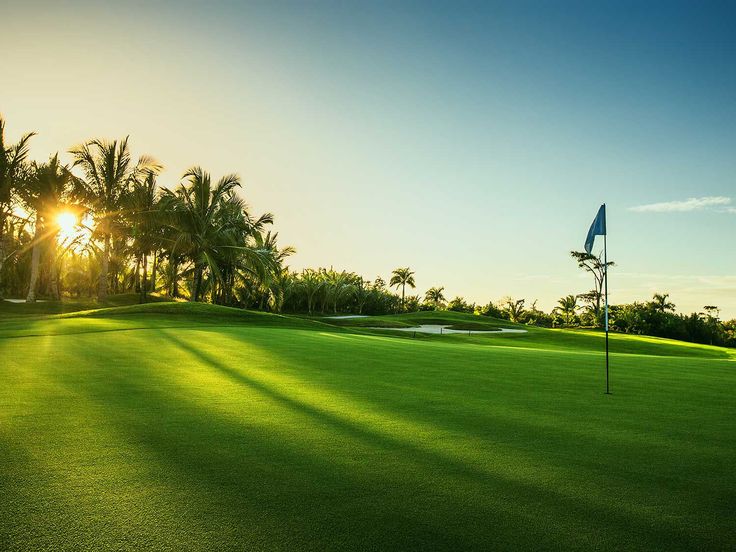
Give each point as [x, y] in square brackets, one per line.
[67, 223]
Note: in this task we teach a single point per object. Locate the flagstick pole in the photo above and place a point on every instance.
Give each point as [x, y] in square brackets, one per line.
[605, 280]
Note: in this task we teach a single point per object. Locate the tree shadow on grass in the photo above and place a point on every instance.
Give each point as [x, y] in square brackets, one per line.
[333, 483]
[420, 461]
[232, 481]
[251, 487]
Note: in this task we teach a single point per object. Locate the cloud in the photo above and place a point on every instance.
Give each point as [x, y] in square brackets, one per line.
[691, 204]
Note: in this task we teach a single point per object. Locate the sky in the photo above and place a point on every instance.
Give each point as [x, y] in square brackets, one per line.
[472, 142]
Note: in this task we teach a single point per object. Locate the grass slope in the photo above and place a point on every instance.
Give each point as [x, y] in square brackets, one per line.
[454, 320]
[45, 307]
[208, 429]
[146, 316]
[539, 338]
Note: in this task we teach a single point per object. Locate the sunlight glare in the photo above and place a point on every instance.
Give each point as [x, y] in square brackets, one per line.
[67, 223]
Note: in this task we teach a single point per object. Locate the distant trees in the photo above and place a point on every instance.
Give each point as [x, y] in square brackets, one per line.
[597, 268]
[206, 220]
[412, 303]
[310, 283]
[459, 304]
[514, 308]
[402, 277]
[340, 286]
[328, 291]
[661, 304]
[537, 317]
[200, 241]
[12, 166]
[145, 229]
[657, 318]
[567, 308]
[46, 190]
[435, 297]
[492, 310]
[109, 174]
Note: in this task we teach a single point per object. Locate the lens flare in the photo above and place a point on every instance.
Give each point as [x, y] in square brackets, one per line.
[67, 223]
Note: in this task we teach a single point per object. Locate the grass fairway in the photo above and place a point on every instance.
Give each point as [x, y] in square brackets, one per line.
[187, 427]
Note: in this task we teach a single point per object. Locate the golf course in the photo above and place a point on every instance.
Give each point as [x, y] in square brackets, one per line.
[367, 276]
[183, 426]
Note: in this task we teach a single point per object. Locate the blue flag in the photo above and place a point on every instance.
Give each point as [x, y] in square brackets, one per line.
[598, 228]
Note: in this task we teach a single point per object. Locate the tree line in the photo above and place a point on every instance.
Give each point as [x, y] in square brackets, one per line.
[200, 241]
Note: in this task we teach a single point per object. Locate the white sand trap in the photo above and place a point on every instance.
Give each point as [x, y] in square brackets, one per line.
[347, 316]
[23, 300]
[443, 329]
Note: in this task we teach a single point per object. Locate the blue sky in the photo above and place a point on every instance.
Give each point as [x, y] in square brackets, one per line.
[470, 141]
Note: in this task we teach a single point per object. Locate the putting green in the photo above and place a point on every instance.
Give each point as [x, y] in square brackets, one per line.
[173, 427]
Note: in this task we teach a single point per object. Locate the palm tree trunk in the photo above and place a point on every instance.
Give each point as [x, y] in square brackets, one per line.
[102, 283]
[174, 279]
[53, 271]
[153, 272]
[229, 289]
[197, 283]
[144, 284]
[2, 248]
[137, 275]
[403, 289]
[35, 262]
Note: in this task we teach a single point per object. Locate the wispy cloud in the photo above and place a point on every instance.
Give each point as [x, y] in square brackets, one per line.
[719, 203]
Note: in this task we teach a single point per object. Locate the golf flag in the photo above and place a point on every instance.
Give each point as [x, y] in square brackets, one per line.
[598, 228]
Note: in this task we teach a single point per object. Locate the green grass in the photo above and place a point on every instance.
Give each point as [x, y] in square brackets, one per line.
[192, 427]
[45, 307]
[568, 340]
[455, 320]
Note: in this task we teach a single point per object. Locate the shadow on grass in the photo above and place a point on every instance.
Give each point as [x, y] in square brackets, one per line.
[246, 478]
[417, 461]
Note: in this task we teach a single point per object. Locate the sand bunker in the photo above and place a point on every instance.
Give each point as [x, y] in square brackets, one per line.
[445, 329]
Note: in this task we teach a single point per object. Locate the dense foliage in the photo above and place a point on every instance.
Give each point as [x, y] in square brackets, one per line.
[201, 242]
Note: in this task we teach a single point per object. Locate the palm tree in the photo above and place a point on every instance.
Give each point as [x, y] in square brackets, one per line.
[597, 267]
[45, 192]
[514, 308]
[661, 304]
[361, 293]
[12, 161]
[435, 296]
[141, 207]
[109, 174]
[402, 277]
[277, 281]
[339, 286]
[567, 307]
[211, 227]
[281, 286]
[311, 282]
[252, 256]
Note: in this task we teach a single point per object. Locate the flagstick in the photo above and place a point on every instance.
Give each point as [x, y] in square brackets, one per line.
[605, 279]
